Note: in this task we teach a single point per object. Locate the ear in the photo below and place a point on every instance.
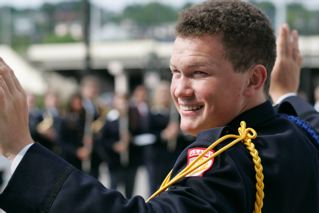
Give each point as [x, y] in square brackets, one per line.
[256, 80]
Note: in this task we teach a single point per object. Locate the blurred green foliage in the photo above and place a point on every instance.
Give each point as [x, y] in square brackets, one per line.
[149, 14]
[305, 20]
[43, 20]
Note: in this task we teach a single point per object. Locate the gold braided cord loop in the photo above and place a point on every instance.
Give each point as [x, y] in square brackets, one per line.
[257, 165]
[245, 135]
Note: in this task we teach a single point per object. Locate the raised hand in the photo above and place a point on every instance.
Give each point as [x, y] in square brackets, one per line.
[14, 128]
[285, 76]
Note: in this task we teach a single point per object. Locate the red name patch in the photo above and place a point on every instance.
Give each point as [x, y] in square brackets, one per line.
[192, 154]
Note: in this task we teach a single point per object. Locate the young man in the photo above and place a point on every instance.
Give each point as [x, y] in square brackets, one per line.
[222, 56]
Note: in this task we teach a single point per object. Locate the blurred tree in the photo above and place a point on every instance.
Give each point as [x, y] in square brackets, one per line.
[269, 9]
[51, 38]
[304, 20]
[150, 14]
[187, 5]
[141, 20]
[48, 10]
[6, 27]
[297, 17]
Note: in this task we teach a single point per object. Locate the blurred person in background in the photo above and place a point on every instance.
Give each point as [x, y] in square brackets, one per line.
[139, 128]
[35, 116]
[115, 140]
[316, 98]
[90, 91]
[50, 123]
[71, 134]
[164, 125]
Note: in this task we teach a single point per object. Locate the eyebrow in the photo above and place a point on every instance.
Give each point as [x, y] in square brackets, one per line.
[194, 65]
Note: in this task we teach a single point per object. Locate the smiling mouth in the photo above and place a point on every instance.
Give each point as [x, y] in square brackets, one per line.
[190, 108]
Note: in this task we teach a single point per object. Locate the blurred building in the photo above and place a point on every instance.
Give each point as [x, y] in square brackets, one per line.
[126, 50]
[310, 75]
[140, 59]
[30, 78]
[137, 60]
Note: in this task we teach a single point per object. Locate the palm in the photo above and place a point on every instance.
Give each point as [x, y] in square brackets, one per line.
[286, 72]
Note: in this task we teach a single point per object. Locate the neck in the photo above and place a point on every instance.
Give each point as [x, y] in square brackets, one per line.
[255, 101]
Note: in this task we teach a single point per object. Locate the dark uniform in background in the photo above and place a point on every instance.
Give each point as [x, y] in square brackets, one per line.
[288, 154]
[71, 137]
[157, 165]
[49, 127]
[138, 126]
[35, 117]
[161, 155]
[48, 130]
[117, 162]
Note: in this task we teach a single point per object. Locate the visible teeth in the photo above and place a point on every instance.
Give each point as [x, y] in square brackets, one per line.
[190, 108]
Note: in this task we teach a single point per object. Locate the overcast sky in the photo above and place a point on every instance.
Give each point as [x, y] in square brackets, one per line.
[119, 4]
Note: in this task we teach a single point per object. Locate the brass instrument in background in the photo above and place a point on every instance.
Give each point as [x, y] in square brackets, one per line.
[97, 124]
[45, 125]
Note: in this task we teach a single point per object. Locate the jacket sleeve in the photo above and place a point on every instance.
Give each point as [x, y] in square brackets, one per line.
[45, 183]
[294, 105]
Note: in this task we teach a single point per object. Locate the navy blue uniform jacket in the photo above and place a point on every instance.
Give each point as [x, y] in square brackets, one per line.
[45, 183]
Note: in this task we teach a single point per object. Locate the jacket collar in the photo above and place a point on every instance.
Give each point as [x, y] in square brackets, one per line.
[254, 118]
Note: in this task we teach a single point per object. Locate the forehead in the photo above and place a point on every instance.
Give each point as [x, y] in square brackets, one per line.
[199, 49]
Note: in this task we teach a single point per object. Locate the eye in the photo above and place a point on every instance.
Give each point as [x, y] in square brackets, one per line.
[175, 73]
[199, 74]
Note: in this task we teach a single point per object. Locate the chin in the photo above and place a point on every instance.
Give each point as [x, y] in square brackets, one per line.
[189, 130]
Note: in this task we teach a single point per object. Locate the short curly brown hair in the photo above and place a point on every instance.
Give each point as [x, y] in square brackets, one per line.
[245, 31]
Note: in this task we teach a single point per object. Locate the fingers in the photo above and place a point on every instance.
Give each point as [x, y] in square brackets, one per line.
[295, 47]
[285, 76]
[10, 82]
[14, 129]
[288, 41]
[3, 85]
[282, 42]
[6, 74]
[288, 44]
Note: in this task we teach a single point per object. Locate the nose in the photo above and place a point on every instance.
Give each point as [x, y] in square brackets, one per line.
[182, 87]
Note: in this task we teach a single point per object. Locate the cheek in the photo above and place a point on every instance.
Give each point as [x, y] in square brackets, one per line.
[233, 85]
[220, 96]
[208, 91]
[233, 97]
[172, 89]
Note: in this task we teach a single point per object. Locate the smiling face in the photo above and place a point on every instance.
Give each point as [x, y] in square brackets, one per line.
[205, 87]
